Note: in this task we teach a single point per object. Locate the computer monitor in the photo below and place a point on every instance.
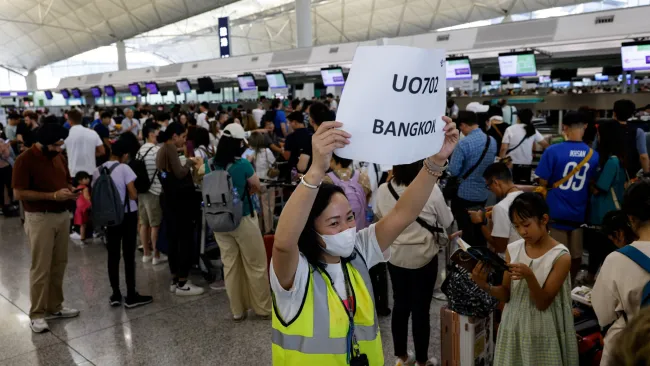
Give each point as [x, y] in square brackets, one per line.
[332, 76]
[109, 90]
[517, 64]
[152, 87]
[183, 86]
[276, 80]
[96, 92]
[635, 55]
[135, 89]
[458, 68]
[246, 82]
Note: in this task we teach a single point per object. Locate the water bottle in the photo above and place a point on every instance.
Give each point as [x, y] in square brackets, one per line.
[370, 215]
[235, 196]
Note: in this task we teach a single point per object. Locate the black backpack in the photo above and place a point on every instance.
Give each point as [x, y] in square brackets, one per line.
[142, 181]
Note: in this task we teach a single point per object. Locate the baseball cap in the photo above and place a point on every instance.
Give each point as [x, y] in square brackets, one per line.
[477, 107]
[236, 131]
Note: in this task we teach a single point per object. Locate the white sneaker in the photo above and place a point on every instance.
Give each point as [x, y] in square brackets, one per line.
[75, 236]
[39, 325]
[162, 259]
[147, 258]
[409, 362]
[189, 290]
[63, 313]
[433, 362]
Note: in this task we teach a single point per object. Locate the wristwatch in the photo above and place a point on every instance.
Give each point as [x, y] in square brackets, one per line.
[485, 218]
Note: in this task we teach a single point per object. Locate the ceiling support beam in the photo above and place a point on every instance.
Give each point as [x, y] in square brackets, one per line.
[434, 15]
[333, 26]
[372, 12]
[401, 18]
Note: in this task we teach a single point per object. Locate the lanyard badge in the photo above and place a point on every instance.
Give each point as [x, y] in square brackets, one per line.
[354, 355]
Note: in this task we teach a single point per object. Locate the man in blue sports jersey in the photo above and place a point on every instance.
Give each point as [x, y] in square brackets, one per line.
[568, 202]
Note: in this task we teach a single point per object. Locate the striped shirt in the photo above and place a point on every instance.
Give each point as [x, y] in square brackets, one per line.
[150, 163]
[467, 154]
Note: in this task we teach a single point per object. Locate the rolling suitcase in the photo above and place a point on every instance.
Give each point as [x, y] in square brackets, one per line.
[465, 340]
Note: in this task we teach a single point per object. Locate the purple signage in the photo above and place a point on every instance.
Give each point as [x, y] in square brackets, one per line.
[135, 89]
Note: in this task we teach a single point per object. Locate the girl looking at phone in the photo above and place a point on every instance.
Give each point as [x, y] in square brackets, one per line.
[537, 324]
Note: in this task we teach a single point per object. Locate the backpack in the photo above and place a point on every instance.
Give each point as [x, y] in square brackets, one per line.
[222, 202]
[356, 196]
[142, 181]
[644, 262]
[107, 206]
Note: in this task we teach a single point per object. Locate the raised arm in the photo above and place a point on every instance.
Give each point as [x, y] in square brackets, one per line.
[410, 205]
[295, 213]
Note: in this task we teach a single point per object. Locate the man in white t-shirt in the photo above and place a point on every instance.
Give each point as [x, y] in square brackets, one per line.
[332, 102]
[202, 118]
[82, 146]
[498, 229]
[509, 112]
[258, 113]
[518, 142]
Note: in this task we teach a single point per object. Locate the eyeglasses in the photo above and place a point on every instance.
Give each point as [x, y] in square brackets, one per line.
[488, 184]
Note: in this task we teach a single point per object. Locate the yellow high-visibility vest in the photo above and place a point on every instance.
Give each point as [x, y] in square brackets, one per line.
[317, 334]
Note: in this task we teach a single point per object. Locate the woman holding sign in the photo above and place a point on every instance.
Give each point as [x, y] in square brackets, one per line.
[323, 313]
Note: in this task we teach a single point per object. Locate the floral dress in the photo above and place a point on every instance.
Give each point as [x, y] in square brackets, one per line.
[528, 336]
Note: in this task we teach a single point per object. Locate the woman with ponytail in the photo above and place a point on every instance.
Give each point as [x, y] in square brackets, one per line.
[518, 140]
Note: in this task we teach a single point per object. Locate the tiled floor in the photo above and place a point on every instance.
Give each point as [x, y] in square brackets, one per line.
[171, 331]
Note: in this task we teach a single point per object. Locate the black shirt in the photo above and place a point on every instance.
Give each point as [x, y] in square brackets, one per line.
[102, 131]
[28, 134]
[298, 143]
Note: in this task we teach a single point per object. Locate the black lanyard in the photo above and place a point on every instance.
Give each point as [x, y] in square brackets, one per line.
[352, 344]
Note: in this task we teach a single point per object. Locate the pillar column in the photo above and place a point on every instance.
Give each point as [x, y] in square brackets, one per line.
[121, 55]
[303, 23]
[31, 81]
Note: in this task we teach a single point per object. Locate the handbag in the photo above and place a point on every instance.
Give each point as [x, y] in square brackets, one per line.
[273, 171]
[450, 191]
[464, 296]
[544, 191]
[431, 228]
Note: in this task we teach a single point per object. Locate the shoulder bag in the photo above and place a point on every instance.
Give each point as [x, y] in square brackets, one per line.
[519, 144]
[450, 190]
[431, 228]
[544, 191]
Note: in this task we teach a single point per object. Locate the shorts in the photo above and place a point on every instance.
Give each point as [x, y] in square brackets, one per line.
[150, 209]
[572, 240]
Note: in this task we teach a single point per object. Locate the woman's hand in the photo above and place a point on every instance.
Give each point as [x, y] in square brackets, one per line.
[521, 271]
[326, 139]
[480, 275]
[451, 140]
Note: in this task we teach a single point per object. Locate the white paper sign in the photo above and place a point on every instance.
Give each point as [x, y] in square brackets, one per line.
[392, 104]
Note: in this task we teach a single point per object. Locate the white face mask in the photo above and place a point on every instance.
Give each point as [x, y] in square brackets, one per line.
[341, 244]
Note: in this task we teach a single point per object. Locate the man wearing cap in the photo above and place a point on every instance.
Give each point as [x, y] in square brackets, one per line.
[41, 180]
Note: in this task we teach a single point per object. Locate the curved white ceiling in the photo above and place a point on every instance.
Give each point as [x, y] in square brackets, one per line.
[34, 33]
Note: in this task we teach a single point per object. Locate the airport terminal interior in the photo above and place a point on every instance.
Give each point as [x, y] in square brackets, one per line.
[140, 225]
